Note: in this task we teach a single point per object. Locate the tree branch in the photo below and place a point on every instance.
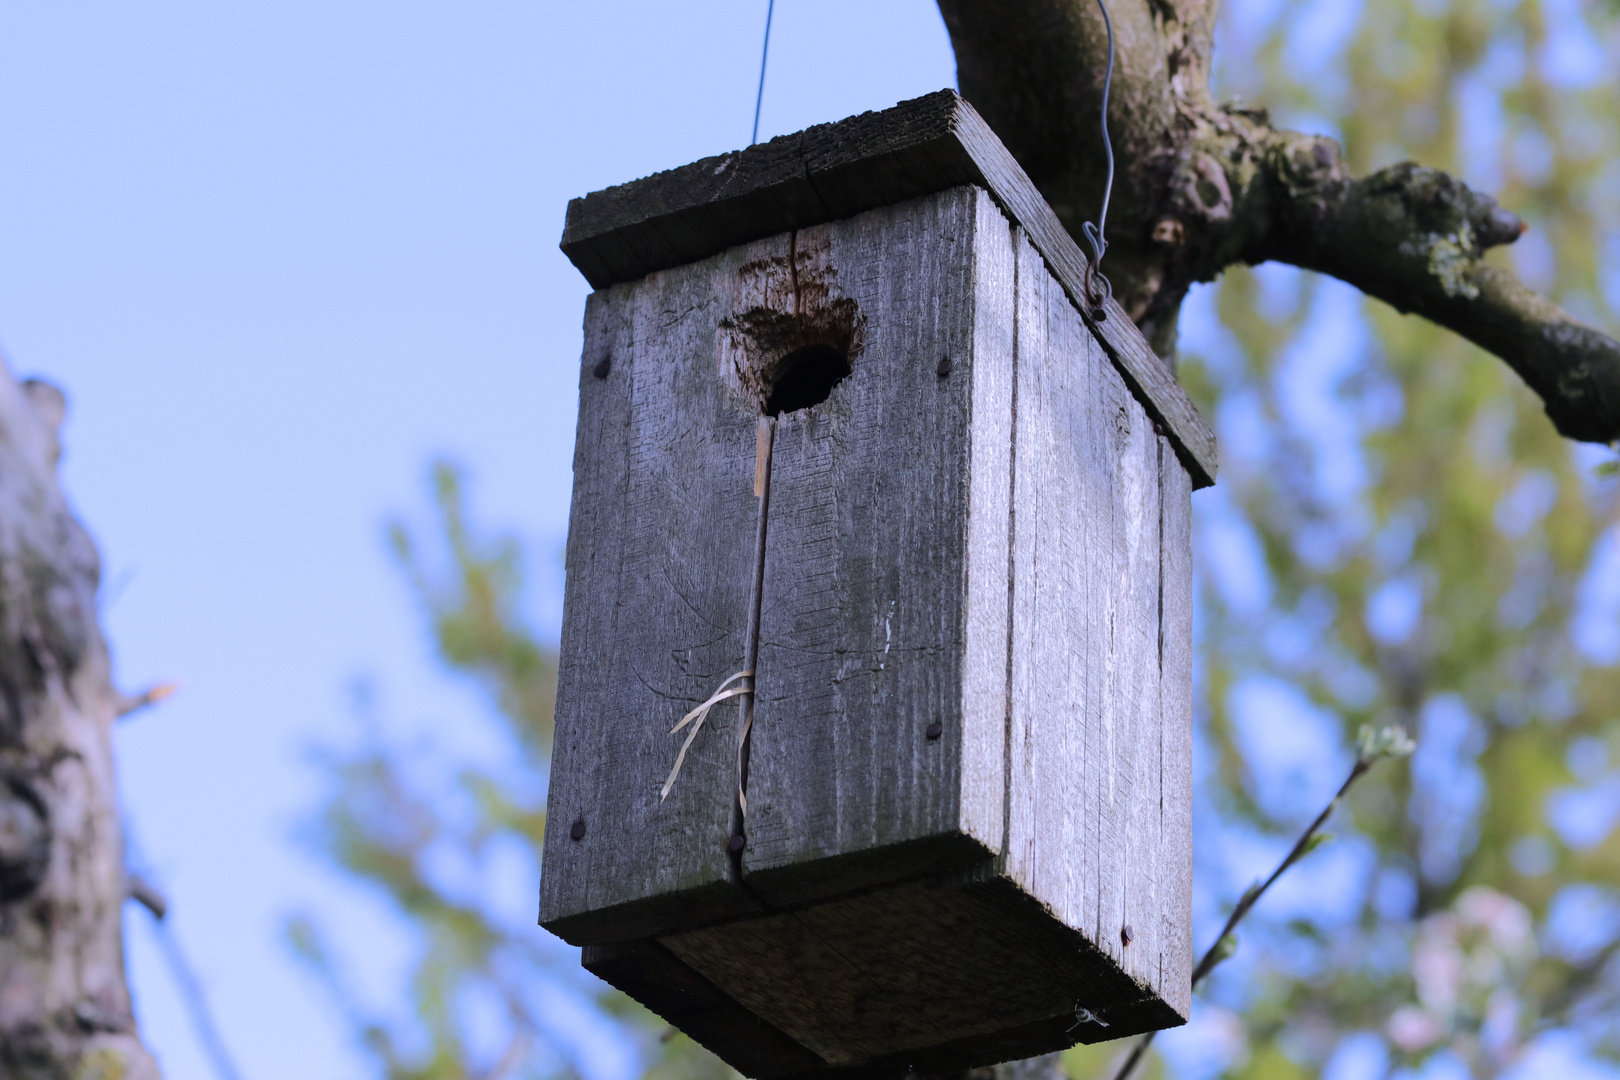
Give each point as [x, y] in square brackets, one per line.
[1416, 238]
[1372, 745]
[1203, 186]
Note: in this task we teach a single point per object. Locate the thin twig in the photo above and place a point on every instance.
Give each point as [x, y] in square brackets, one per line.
[511, 1058]
[1390, 742]
[126, 705]
[142, 889]
[196, 999]
[147, 895]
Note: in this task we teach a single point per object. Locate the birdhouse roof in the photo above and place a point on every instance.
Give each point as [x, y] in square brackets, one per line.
[835, 171]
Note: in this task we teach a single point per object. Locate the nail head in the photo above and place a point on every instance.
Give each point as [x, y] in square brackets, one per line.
[944, 368]
[1125, 935]
[603, 366]
[935, 730]
[577, 830]
[736, 844]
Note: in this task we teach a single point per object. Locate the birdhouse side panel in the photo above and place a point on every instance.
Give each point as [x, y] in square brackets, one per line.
[983, 767]
[659, 573]
[861, 735]
[1089, 726]
[1176, 715]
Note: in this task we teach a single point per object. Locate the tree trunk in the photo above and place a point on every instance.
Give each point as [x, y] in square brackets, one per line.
[1201, 186]
[64, 1006]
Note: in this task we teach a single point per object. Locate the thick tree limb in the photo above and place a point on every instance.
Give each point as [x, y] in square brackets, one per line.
[1203, 186]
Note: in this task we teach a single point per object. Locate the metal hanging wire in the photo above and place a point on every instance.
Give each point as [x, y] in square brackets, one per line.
[764, 54]
[1098, 288]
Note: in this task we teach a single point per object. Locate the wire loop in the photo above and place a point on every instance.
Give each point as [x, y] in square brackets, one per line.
[1099, 290]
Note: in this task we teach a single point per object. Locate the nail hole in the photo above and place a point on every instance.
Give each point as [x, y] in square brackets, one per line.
[804, 378]
[603, 366]
[935, 730]
[577, 831]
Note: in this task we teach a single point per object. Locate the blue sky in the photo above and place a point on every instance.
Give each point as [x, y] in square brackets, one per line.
[278, 255]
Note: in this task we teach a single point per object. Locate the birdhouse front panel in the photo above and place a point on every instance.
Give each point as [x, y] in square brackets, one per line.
[873, 741]
[659, 564]
[878, 711]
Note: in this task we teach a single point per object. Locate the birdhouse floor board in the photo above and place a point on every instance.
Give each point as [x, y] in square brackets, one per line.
[849, 979]
[655, 977]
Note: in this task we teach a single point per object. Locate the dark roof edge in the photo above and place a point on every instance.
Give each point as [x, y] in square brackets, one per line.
[834, 171]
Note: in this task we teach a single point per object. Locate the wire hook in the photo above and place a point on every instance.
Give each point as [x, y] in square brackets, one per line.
[1099, 290]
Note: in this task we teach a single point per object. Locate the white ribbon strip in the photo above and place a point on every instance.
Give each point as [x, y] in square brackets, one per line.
[696, 718]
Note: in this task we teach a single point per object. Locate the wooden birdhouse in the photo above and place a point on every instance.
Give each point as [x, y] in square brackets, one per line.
[854, 446]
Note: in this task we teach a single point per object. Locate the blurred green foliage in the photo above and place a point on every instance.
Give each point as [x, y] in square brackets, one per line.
[1422, 551]
[1398, 537]
[490, 995]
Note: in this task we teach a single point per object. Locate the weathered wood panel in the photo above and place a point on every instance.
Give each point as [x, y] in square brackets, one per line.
[970, 760]
[989, 528]
[654, 976]
[660, 556]
[1149, 378]
[834, 171]
[862, 730]
[1086, 770]
[929, 972]
[1175, 688]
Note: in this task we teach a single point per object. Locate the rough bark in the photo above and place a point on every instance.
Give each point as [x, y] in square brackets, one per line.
[1201, 186]
[64, 1006]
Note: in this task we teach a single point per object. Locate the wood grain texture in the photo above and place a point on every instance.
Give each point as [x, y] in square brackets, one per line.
[1085, 765]
[1147, 376]
[834, 171]
[864, 625]
[654, 976]
[997, 545]
[930, 971]
[1175, 690]
[660, 555]
[989, 528]
[810, 177]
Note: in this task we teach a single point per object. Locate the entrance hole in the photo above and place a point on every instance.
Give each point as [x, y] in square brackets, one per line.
[804, 378]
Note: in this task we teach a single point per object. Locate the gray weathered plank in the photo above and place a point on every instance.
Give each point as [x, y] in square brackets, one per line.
[1175, 689]
[1152, 382]
[865, 622]
[834, 171]
[915, 970]
[1085, 761]
[660, 551]
[998, 545]
[654, 976]
[1134, 643]
[1059, 848]
[989, 527]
